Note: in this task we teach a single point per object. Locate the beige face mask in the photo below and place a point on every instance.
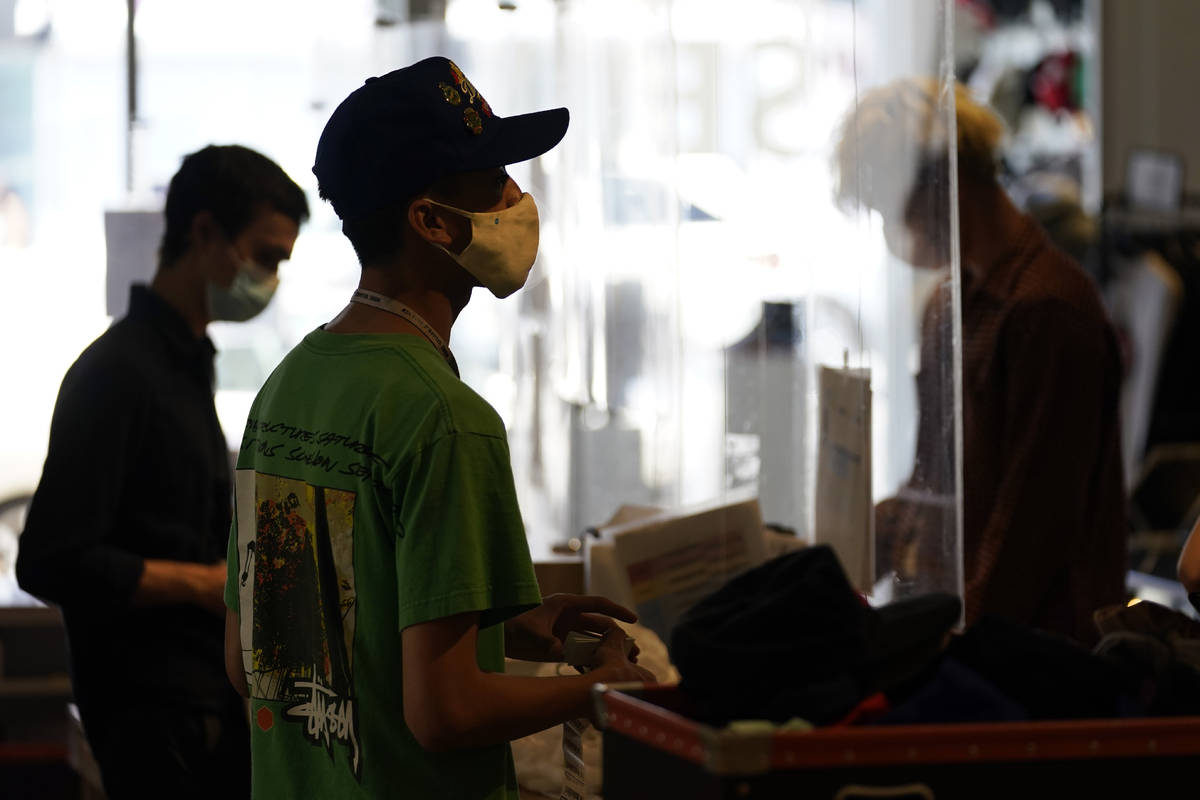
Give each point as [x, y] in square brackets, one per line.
[503, 245]
[252, 289]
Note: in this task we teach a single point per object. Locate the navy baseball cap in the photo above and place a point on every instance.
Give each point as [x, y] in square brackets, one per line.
[398, 133]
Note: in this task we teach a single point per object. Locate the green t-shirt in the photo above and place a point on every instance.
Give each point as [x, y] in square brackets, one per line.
[374, 491]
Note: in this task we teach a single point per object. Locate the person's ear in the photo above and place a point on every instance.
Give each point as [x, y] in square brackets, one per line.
[204, 232]
[430, 222]
[438, 226]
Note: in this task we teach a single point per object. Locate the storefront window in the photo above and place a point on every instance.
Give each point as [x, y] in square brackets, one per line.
[702, 302]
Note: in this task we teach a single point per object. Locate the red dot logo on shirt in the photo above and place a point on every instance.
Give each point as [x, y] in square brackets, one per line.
[265, 719]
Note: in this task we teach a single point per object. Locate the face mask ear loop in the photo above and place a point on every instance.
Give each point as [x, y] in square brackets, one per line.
[469, 216]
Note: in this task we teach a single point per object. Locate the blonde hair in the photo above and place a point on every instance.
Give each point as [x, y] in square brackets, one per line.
[896, 137]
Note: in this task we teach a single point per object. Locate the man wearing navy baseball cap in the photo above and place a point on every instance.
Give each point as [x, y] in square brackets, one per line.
[378, 568]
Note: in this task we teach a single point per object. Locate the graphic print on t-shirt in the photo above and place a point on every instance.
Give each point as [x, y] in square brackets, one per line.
[296, 553]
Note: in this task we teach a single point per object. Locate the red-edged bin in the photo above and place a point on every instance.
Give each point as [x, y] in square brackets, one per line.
[654, 749]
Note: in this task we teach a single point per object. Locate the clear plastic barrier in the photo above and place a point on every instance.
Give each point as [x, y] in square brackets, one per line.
[723, 312]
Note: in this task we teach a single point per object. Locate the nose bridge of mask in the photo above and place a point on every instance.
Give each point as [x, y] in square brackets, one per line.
[250, 272]
[257, 273]
[481, 219]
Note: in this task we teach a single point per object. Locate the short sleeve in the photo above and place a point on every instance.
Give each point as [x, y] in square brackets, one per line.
[460, 540]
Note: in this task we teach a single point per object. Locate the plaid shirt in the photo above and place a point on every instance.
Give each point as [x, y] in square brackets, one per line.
[1044, 507]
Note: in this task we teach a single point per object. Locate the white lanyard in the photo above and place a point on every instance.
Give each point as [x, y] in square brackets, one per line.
[391, 306]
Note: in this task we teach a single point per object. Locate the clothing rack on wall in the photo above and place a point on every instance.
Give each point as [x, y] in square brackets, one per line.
[1127, 230]
[1164, 483]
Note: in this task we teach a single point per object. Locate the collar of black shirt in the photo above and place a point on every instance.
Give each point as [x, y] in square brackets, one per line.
[145, 305]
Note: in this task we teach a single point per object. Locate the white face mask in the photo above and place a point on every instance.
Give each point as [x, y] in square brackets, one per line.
[246, 297]
[503, 245]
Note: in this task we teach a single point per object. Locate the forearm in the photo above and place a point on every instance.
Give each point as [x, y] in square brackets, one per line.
[498, 708]
[105, 575]
[166, 582]
[66, 573]
[179, 582]
[450, 703]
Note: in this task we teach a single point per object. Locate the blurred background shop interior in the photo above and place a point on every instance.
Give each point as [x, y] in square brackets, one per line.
[696, 283]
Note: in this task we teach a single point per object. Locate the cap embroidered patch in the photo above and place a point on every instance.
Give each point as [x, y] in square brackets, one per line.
[466, 90]
[451, 94]
[474, 123]
[464, 85]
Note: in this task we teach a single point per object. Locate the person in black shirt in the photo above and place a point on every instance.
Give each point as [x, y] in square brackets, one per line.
[128, 526]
